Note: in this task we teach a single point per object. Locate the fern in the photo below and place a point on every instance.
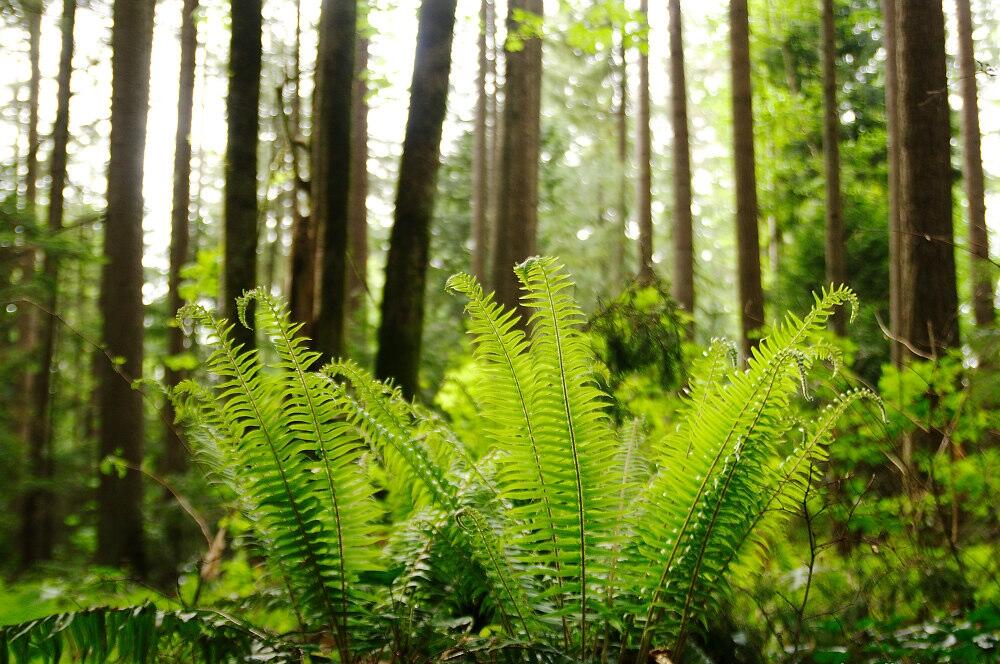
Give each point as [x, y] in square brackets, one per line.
[569, 538]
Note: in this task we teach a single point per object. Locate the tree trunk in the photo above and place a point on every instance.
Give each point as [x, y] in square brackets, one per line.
[175, 455]
[241, 163]
[892, 157]
[38, 523]
[406, 266]
[302, 257]
[747, 242]
[34, 11]
[972, 166]
[683, 223]
[331, 169]
[357, 222]
[643, 149]
[516, 225]
[119, 499]
[480, 153]
[835, 273]
[930, 305]
[494, 128]
[621, 213]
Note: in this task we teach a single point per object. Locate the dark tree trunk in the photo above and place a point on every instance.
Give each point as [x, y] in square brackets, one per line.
[119, 499]
[892, 157]
[175, 454]
[835, 273]
[972, 166]
[516, 225]
[357, 222]
[621, 153]
[34, 11]
[930, 305]
[399, 335]
[302, 257]
[241, 162]
[683, 223]
[38, 524]
[643, 149]
[747, 241]
[480, 153]
[331, 168]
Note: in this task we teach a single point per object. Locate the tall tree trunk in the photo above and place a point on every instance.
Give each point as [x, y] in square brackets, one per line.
[494, 128]
[516, 225]
[302, 257]
[175, 455]
[930, 305]
[480, 153]
[972, 166]
[37, 526]
[643, 149]
[119, 499]
[331, 167]
[399, 336]
[835, 273]
[357, 222]
[751, 293]
[240, 217]
[621, 153]
[892, 157]
[34, 12]
[683, 223]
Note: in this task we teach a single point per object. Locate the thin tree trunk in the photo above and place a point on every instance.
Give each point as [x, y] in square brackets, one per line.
[302, 257]
[34, 15]
[399, 338]
[357, 268]
[119, 499]
[480, 153]
[683, 223]
[621, 123]
[330, 176]
[643, 149]
[175, 454]
[972, 166]
[892, 157]
[240, 213]
[516, 227]
[494, 128]
[38, 523]
[835, 272]
[751, 295]
[930, 305]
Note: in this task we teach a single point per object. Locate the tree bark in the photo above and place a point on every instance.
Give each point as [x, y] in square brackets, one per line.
[302, 257]
[34, 11]
[892, 157]
[835, 273]
[119, 499]
[240, 215]
[930, 305]
[480, 153]
[331, 166]
[747, 241]
[972, 166]
[175, 454]
[516, 226]
[399, 337]
[621, 153]
[643, 149]
[38, 522]
[683, 222]
[357, 269]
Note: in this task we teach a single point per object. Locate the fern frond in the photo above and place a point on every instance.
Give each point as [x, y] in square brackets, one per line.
[714, 468]
[138, 635]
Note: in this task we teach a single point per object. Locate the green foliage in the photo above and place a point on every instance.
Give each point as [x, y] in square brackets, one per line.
[565, 540]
